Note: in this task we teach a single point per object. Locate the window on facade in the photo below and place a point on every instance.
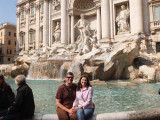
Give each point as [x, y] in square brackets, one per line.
[156, 13]
[1, 60]
[9, 42]
[9, 51]
[31, 37]
[22, 14]
[14, 34]
[32, 11]
[9, 33]
[21, 39]
[9, 59]
[0, 51]
[158, 47]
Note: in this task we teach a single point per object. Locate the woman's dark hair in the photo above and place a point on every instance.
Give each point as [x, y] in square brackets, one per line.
[79, 82]
[1, 77]
[4, 84]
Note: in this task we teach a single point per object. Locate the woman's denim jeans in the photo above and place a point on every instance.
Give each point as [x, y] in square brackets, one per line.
[84, 114]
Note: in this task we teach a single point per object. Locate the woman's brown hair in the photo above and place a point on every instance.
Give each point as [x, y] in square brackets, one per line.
[79, 82]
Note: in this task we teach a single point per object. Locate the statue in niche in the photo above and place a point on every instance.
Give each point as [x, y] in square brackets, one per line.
[56, 4]
[57, 32]
[122, 20]
[82, 25]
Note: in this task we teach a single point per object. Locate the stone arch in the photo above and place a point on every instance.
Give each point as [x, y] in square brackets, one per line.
[83, 4]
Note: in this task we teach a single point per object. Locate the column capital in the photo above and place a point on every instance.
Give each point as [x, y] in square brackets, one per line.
[27, 9]
[97, 1]
[37, 6]
[71, 14]
[98, 6]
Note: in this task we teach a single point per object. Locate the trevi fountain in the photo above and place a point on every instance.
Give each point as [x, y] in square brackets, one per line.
[106, 39]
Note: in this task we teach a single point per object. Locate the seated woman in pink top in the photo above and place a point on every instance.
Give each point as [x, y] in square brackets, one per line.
[83, 104]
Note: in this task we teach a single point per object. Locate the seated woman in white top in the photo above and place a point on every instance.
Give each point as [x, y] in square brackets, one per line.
[83, 104]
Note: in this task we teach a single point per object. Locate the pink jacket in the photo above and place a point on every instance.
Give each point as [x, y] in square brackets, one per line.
[84, 98]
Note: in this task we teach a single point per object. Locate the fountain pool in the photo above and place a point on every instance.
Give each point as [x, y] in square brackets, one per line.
[107, 98]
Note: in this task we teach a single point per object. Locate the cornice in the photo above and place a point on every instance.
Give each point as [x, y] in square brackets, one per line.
[153, 1]
[22, 2]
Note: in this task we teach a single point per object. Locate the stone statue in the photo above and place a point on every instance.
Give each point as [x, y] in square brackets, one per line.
[94, 40]
[57, 32]
[122, 20]
[85, 46]
[56, 4]
[143, 47]
[82, 25]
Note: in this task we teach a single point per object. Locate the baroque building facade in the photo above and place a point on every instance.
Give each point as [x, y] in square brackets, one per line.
[47, 23]
[8, 43]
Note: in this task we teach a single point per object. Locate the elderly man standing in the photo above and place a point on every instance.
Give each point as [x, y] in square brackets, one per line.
[24, 106]
[64, 99]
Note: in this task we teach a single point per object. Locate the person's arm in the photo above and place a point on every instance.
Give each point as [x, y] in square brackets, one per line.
[75, 103]
[18, 102]
[10, 96]
[58, 103]
[7, 97]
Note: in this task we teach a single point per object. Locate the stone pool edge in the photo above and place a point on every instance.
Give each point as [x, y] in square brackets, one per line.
[151, 114]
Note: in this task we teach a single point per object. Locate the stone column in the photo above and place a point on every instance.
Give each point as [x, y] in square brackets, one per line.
[27, 29]
[18, 31]
[98, 23]
[46, 23]
[136, 10]
[49, 26]
[111, 19]
[69, 29]
[72, 29]
[64, 21]
[105, 19]
[37, 26]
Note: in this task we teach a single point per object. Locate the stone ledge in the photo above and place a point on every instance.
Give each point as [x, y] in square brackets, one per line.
[148, 114]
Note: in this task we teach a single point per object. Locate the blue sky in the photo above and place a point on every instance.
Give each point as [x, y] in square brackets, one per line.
[8, 11]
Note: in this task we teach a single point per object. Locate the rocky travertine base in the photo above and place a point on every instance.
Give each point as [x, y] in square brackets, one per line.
[148, 114]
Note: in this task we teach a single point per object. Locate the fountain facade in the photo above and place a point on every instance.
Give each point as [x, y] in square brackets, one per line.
[80, 31]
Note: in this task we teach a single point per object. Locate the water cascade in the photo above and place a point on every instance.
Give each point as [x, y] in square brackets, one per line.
[44, 70]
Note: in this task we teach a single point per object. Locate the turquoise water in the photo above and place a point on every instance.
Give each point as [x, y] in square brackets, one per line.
[107, 98]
